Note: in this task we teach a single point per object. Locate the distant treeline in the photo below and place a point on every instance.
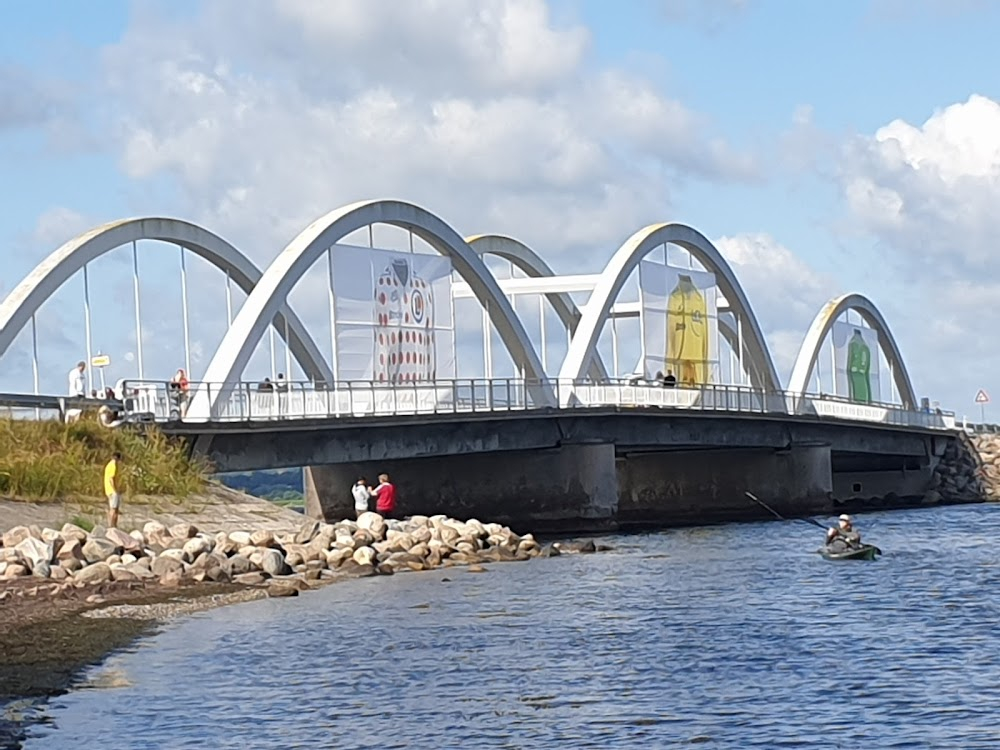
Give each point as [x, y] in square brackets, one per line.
[280, 484]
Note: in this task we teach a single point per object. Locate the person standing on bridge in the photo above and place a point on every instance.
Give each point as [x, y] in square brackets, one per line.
[77, 389]
[111, 488]
[362, 492]
[385, 497]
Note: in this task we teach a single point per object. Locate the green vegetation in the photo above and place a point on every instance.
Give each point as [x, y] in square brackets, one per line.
[48, 460]
[84, 523]
[283, 486]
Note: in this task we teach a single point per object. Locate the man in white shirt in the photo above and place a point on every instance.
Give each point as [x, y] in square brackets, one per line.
[77, 384]
[361, 493]
[77, 388]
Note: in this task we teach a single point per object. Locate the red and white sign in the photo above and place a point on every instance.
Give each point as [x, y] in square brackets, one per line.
[982, 397]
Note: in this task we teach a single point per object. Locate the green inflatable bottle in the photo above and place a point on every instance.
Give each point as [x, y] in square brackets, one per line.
[859, 362]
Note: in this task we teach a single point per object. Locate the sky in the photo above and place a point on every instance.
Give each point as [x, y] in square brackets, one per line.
[824, 148]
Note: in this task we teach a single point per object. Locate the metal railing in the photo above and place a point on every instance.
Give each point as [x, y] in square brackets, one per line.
[252, 402]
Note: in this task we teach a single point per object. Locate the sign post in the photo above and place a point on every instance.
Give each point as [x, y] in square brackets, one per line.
[100, 361]
[982, 398]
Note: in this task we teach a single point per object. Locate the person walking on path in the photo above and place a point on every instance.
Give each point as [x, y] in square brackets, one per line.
[362, 492]
[385, 497]
[111, 488]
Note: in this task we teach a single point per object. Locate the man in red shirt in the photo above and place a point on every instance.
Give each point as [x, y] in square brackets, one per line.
[385, 497]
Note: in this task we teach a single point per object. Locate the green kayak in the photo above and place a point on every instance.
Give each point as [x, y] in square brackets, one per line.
[864, 552]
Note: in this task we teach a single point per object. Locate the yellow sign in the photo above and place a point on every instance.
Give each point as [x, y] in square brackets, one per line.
[101, 360]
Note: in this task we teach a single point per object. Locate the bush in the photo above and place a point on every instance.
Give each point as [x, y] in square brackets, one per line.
[46, 460]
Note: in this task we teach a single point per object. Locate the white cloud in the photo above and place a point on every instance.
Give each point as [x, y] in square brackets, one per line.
[785, 292]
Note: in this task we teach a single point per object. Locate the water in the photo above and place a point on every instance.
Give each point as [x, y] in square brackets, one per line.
[678, 638]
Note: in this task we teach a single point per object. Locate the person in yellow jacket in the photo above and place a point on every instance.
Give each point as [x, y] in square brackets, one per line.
[687, 332]
[112, 488]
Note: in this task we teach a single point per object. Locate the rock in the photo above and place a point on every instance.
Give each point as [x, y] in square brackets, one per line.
[139, 571]
[218, 574]
[419, 550]
[154, 528]
[41, 569]
[236, 565]
[262, 538]
[14, 536]
[364, 555]
[240, 538]
[123, 574]
[122, 540]
[550, 550]
[114, 560]
[416, 522]
[15, 570]
[337, 557]
[98, 549]
[250, 579]
[196, 546]
[72, 531]
[293, 558]
[58, 573]
[171, 579]
[308, 531]
[372, 522]
[275, 589]
[34, 551]
[225, 546]
[99, 572]
[273, 563]
[399, 541]
[128, 558]
[576, 547]
[476, 569]
[98, 531]
[137, 535]
[183, 531]
[163, 565]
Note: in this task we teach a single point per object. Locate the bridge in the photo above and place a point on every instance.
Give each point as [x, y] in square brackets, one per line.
[568, 436]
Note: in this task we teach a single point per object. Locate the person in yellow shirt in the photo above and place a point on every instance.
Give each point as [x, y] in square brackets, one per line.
[111, 488]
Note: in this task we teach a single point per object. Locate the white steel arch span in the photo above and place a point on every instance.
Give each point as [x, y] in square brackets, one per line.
[43, 281]
[808, 354]
[534, 266]
[626, 259]
[299, 255]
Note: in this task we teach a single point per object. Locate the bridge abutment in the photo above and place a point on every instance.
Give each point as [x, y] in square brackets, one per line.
[570, 488]
[703, 486]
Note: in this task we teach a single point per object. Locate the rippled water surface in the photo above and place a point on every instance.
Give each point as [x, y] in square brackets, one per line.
[729, 636]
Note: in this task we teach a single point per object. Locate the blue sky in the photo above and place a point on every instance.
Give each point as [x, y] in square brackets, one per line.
[769, 125]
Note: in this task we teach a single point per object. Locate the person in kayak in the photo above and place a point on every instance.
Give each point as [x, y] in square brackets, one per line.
[843, 536]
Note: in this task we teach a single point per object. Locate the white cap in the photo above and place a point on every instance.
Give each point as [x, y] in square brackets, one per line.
[844, 517]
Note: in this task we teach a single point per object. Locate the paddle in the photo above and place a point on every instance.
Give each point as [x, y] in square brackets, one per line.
[780, 517]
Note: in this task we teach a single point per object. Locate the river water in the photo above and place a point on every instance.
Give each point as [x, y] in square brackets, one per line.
[729, 636]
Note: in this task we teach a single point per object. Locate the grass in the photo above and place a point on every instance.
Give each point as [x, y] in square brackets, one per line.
[84, 523]
[49, 460]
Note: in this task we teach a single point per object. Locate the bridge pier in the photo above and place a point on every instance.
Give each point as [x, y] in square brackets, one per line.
[702, 486]
[565, 489]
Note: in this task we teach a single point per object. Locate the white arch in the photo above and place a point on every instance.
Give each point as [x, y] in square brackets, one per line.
[299, 255]
[626, 259]
[534, 266]
[805, 362]
[18, 307]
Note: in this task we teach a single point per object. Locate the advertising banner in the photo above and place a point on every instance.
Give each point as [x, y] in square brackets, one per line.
[856, 362]
[393, 315]
[680, 323]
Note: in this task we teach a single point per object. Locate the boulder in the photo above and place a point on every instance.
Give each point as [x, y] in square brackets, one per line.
[125, 541]
[415, 522]
[71, 564]
[128, 558]
[399, 541]
[273, 563]
[250, 579]
[419, 550]
[372, 522]
[114, 560]
[15, 570]
[175, 554]
[34, 551]
[262, 538]
[154, 528]
[137, 535]
[218, 574]
[183, 531]
[51, 535]
[337, 557]
[294, 557]
[141, 572]
[363, 538]
[196, 546]
[58, 573]
[15, 535]
[364, 555]
[240, 538]
[421, 535]
[121, 573]
[41, 569]
[278, 589]
[236, 565]
[72, 531]
[308, 531]
[225, 546]
[163, 565]
[99, 572]
[98, 549]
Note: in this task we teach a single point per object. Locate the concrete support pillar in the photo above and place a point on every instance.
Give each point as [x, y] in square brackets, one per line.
[693, 487]
[572, 488]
